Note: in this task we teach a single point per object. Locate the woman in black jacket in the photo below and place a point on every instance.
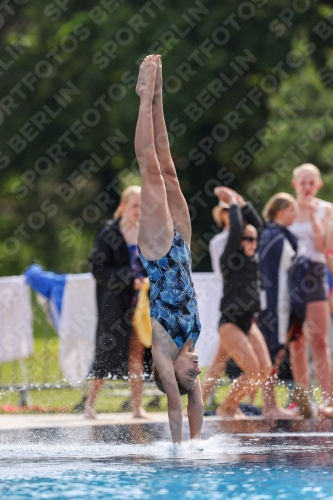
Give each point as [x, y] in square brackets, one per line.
[239, 336]
[118, 271]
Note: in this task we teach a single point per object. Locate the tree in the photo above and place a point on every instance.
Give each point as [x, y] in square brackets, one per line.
[296, 133]
[69, 109]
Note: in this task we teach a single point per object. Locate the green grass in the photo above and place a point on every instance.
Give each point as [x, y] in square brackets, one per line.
[43, 368]
[66, 399]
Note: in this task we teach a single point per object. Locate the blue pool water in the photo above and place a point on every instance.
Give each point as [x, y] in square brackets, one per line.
[72, 464]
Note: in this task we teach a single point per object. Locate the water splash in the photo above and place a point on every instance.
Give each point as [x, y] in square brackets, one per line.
[253, 466]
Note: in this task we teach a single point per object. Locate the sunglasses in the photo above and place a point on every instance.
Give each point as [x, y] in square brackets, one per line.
[250, 239]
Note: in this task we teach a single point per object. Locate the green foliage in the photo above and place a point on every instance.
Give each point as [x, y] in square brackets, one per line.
[63, 57]
[306, 128]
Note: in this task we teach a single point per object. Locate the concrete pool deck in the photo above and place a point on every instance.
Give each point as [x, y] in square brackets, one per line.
[250, 425]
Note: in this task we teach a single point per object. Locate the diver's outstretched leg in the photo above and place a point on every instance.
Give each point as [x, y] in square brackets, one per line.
[176, 201]
[155, 221]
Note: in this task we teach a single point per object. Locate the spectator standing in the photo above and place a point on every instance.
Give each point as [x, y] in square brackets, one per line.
[277, 252]
[118, 271]
[310, 227]
[329, 258]
[239, 336]
[217, 244]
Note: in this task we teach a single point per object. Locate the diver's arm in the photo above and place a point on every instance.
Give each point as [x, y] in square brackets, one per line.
[195, 409]
[165, 368]
[175, 413]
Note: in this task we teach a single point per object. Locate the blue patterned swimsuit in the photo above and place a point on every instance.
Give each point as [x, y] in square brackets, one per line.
[173, 301]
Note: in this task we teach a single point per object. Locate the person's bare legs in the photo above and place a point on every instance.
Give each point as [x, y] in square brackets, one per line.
[135, 365]
[240, 348]
[317, 319]
[251, 398]
[155, 221]
[95, 386]
[214, 371]
[299, 361]
[270, 408]
[176, 201]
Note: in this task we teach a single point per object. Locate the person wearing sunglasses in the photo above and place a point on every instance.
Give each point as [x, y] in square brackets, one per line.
[239, 335]
[221, 362]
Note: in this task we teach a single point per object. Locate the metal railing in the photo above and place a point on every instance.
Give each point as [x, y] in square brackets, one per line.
[41, 371]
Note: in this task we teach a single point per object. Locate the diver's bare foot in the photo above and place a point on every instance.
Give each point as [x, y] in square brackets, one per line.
[159, 80]
[278, 413]
[89, 413]
[141, 413]
[146, 78]
[230, 412]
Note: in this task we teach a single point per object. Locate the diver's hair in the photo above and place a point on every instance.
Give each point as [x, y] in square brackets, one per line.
[306, 167]
[280, 201]
[158, 382]
[125, 195]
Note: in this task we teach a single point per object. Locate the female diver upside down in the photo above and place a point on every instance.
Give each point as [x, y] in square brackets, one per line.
[164, 240]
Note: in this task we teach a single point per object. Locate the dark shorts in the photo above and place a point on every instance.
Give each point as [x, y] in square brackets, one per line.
[315, 283]
[244, 322]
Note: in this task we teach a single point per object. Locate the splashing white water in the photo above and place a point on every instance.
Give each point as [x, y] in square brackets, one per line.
[218, 446]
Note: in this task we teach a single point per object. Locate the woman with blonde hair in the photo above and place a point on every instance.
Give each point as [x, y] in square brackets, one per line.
[277, 252]
[310, 227]
[117, 268]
